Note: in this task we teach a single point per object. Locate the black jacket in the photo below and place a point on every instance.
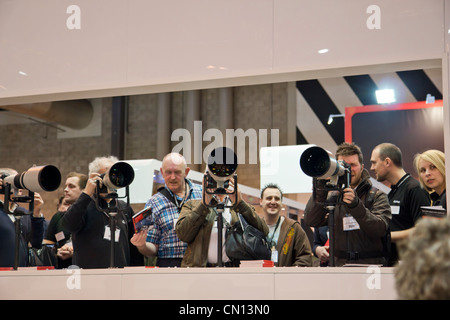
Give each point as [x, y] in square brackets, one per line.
[88, 226]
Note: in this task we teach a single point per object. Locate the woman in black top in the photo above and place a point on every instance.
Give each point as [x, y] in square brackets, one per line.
[430, 166]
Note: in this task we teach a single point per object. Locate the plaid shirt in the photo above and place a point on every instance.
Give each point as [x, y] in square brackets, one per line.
[165, 214]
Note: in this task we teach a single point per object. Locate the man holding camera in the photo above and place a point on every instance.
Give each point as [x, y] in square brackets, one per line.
[90, 228]
[198, 226]
[361, 213]
[31, 226]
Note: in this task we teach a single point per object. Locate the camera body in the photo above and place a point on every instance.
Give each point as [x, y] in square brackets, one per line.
[221, 167]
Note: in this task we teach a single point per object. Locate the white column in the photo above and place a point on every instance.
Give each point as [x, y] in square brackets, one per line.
[446, 90]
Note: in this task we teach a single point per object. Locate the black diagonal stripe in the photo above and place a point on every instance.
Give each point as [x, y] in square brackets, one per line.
[323, 106]
[364, 88]
[300, 137]
[419, 84]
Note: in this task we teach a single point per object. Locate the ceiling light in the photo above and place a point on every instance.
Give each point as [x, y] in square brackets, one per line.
[322, 51]
[385, 96]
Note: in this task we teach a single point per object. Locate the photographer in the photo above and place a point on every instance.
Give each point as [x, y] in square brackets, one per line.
[361, 217]
[90, 229]
[197, 226]
[31, 226]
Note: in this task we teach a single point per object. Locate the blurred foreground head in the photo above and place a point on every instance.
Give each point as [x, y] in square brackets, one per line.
[423, 272]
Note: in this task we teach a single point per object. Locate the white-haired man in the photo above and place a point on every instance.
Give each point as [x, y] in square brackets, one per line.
[91, 234]
[161, 240]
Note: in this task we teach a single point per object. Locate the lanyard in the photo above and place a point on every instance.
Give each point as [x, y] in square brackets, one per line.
[186, 194]
[274, 231]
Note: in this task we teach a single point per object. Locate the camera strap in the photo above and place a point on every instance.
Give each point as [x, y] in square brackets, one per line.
[165, 192]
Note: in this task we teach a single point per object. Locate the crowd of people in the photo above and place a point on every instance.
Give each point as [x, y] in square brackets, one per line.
[369, 225]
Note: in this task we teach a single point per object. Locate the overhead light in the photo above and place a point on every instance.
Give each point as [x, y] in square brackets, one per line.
[23, 73]
[385, 96]
[332, 116]
[322, 51]
[430, 98]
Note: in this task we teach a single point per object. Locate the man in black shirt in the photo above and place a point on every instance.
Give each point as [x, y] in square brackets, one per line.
[90, 230]
[406, 195]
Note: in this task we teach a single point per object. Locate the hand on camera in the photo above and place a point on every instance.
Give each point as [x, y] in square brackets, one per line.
[91, 184]
[349, 197]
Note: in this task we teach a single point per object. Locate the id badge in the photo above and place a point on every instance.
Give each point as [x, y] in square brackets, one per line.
[274, 256]
[395, 209]
[60, 236]
[107, 234]
[350, 223]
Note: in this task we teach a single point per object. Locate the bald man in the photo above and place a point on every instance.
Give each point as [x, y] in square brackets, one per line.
[161, 239]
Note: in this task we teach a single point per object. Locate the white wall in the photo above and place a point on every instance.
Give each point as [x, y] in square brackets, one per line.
[145, 46]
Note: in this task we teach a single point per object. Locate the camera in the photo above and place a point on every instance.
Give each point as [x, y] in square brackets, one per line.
[318, 163]
[221, 167]
[119, 175]
[35, 179]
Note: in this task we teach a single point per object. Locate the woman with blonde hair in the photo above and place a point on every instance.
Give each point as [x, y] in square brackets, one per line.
[430, 166]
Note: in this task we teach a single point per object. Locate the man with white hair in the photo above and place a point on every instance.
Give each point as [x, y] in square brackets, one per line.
[162, 240]
[91, 234]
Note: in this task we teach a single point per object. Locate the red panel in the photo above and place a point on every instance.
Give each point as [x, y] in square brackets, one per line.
[351, 111]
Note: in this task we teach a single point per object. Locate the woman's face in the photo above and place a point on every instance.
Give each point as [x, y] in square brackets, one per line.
[430, 176]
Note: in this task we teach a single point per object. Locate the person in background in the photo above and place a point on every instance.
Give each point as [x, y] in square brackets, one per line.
[321, 245]
[406, 196]
[55, 234]
[288, 241]
[430, 166]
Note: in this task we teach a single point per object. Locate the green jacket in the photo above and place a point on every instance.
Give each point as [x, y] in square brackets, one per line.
[195, 224]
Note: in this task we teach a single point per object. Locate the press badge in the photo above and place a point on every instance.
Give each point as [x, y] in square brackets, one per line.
[274, 256]
[395, 209]
[350, 223]
[60, 236]
[107, 234]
